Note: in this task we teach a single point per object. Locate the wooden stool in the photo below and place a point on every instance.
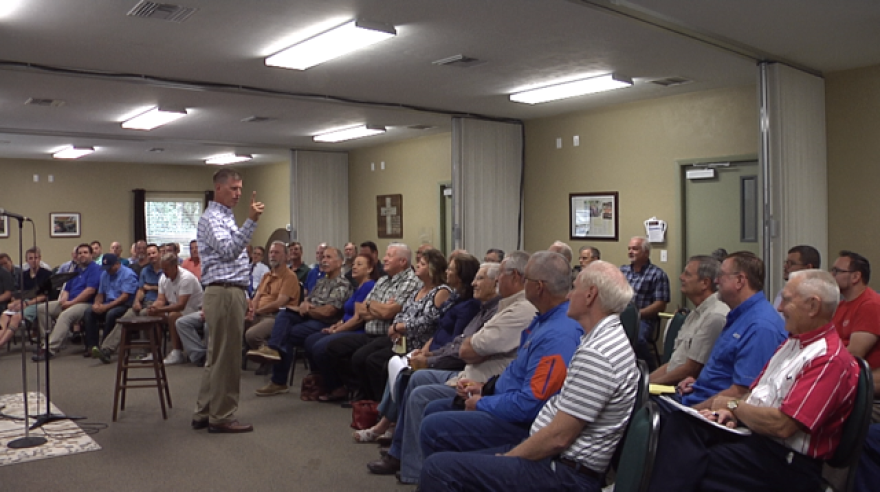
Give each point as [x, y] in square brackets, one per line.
[149, 326]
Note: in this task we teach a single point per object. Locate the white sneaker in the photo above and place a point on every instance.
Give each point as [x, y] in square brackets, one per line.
[175, 357]
[146, 358]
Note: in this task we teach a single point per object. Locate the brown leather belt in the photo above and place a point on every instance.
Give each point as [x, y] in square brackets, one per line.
[226, 284]
[579, 467]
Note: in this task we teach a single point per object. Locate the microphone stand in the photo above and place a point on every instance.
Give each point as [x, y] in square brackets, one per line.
[28, 441]
[55, 282]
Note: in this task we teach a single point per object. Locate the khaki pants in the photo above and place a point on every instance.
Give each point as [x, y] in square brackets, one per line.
[259, 330]
[112, 339]
[224, 308]
[64, 321]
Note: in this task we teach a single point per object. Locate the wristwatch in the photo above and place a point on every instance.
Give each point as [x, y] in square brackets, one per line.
[732, 405]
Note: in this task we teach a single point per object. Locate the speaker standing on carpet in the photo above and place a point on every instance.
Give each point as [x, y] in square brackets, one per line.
[225, 272]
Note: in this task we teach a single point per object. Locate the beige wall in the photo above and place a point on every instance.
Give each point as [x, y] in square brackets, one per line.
[632, 149]
[101, 192]
[852, 100]
[272, 184]
[412, 168]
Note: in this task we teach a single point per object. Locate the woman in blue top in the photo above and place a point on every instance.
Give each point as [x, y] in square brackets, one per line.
[364, 274]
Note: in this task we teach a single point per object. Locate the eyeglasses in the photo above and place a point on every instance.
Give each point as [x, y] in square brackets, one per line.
[835, 271]
[790, 263]
[722, 274]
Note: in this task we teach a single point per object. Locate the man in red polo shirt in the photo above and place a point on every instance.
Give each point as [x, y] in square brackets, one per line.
[858, 317]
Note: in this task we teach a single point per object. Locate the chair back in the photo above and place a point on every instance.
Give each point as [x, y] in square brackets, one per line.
[643, 390]
[639, 449]
[672, 330]
[629, 318]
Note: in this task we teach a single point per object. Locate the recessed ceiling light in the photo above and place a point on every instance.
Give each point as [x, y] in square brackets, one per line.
[225, 159]
[349, 133]
[73, 152]
[571, 89]
[153, 118]
[331, 44]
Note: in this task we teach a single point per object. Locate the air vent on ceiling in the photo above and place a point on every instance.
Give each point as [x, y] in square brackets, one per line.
[49, 103]
[421, 127]
[256, 119]
[161, 11]
[670, 81]
[459, 61]
[156, 149]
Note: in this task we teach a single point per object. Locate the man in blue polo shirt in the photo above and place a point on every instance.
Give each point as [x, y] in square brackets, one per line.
[115, 294]
[537, 373]
[71, 306]
[749, 338]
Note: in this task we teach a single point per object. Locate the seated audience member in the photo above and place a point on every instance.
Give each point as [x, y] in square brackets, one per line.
[701, 327]
[460, 310]
[7, 281]
[651, 286]
[537, 373]
[571, 441]
[70, 265]
[133, 257]
[747, 341]
[71, 306]
[587, 255]
[193, 264]
[115, 294]
[43, 264]
[365, 276]
[192, 330]
[320, 309]
[257, 269]
[370, 248]
[858, 317]
[315, 273]
[278, 289]
[349, 252]
[97, 252]
[379, 309]
[146, 295]
[140, 259]
[26, 308]
[180, 293]
[295, 263]
[494, 255]
[868, 473]
[799, 258]
[116, 249]
[795, 409]
[412, 326]
[487, 345]
[420, 251]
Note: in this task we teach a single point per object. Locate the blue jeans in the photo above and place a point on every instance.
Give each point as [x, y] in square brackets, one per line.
[868, 474]
[462, 430]
[424, 387]
[320, 361]
[482, 470]
[290, 331]
[91, 323]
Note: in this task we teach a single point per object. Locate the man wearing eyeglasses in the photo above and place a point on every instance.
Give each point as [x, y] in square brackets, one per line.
[857, 319]
[801, 257]
[748, 339]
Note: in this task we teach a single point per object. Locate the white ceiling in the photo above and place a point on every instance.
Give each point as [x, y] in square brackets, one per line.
[106, 65]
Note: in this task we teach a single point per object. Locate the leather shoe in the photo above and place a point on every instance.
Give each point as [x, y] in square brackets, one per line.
[199, 424]
[388, 465]
[234, 427]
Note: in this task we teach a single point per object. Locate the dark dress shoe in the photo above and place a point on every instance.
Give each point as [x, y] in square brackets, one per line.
[41, 356]
[388, 465]
[199, 424]
[234, 427]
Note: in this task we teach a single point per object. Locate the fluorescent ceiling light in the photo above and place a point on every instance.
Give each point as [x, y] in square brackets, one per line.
[154, 118]
[331, 44]
[224, 159]
[571, 89]
[349, 133]
[73, 152]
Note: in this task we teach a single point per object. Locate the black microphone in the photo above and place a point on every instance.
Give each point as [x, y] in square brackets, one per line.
[14, 216]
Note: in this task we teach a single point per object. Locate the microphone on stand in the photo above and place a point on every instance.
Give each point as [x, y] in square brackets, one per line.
[21, 218]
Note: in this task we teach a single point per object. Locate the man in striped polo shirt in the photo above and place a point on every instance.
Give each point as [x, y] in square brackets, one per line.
[589, 415]
[795, 409]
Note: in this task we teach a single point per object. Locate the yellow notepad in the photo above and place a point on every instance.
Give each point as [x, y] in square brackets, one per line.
[661, 389]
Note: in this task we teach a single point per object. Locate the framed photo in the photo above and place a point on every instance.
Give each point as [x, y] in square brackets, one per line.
[64, 224]
[389, 216]
[4, 226]
[594, 216]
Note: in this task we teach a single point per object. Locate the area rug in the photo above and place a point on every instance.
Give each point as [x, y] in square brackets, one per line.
[63, 437]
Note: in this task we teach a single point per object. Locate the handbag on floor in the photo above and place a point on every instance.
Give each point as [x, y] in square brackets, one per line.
[364, 414]
[311, 388]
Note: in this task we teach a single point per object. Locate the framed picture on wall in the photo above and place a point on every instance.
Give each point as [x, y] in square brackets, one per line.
[389, 216]
[594, 216]
[64, 224]
[4, 226]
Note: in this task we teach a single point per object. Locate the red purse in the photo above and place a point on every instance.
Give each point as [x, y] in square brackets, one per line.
[364, 414]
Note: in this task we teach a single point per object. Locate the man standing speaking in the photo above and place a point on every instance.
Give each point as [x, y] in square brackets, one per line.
[225, 272]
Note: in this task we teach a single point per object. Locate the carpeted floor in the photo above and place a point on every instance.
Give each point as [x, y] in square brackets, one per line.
[296, 445]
